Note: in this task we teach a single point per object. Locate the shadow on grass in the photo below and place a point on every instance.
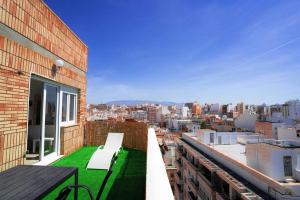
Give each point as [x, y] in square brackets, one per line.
[130, 183]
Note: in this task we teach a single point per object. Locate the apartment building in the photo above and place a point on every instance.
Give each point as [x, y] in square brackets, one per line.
[139, 115]
[209, 170]
[288, 133]
[267, 128]
[151, 114]
[196, 110]
[43, 67]
[246, 121]
[240, 108]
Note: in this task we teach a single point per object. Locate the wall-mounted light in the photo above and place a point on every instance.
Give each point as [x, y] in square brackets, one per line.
[57, 66]
[59, 63]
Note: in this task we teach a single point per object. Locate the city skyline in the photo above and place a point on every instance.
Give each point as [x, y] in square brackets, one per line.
[208, 52]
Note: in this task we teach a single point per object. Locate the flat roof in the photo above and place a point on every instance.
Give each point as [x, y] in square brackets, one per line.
[234, 151]
[241, 179]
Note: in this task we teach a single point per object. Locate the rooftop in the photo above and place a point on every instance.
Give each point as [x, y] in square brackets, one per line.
[127, 181]
[234, 151]
[232, 159]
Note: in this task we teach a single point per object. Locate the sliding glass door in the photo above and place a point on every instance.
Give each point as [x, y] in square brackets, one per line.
[50, 121]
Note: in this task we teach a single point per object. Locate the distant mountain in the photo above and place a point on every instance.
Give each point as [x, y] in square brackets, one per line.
[138, 102]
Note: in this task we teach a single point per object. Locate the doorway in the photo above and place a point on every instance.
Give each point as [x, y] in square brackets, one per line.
[42, 140]
[287, 165]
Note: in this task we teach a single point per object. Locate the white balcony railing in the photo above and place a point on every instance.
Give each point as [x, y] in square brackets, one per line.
[157, 183]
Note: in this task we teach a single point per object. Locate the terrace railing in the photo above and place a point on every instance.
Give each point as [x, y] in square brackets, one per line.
[157, 182]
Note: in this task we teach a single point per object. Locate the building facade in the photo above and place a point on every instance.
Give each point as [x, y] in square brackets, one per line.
[43, 67]
[198, 177]
[246, 121]
[261, 170]
[268, 129]
[151, 113]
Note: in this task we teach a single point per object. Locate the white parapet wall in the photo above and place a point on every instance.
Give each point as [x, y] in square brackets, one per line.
[157, 183]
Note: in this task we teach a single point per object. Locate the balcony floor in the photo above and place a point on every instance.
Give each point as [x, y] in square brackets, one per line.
[128, 180]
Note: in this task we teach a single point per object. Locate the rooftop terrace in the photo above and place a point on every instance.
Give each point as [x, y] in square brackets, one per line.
[128, 180]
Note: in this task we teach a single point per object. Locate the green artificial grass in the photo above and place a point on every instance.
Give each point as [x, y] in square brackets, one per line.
[127, 180]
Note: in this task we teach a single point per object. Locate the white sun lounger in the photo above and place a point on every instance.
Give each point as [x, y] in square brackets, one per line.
[101, 158]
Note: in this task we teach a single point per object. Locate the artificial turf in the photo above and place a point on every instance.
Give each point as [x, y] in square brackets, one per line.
[127, 180]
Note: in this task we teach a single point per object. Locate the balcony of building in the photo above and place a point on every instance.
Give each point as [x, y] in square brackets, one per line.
[178, 192]
[221, 196]
[192, 196]
[178, 177]
[195, 184]
[205, 174]
[178, 162]
[137, 173]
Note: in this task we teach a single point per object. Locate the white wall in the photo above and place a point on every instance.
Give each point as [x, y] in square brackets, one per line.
[269, 160]
[162, 110]
[287, 133]
[157, 182]
[294, 109]
[274, 129]
[246, 121]
[244, 138]
[182, 112]
[226, 137]
[246, 174]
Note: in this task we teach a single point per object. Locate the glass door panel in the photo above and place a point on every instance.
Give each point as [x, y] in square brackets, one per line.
[50, 116]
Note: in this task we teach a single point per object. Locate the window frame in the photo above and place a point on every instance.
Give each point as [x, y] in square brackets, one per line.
[68, 92]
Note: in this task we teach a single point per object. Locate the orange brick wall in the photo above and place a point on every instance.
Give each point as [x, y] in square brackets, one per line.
[71, 139]
[135, 133]
[32, 19]
[264, 128]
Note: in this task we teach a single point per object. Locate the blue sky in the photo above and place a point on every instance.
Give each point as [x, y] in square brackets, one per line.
[188, 50]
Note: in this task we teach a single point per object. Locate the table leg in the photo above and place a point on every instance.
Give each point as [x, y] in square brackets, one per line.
[76, 183]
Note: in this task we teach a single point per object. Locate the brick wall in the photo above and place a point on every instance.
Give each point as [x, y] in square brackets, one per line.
[71, 139]
[135, 133]
[264, 128]
[33, 20]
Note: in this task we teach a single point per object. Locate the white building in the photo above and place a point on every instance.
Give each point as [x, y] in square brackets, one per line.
[230, 108]
[161, 112]
[139, 115]
[182, 111]
[208, 136]
[272, 167]
[294, 109]
[279, 160]
[179, 124]
[246, 121]
[287, 133]
[215, 108]
[249, 137]
[276, 117]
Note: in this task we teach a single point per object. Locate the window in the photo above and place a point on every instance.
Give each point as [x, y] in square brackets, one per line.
[64, 107]
[72, 108]
[287, 164]
[68, 107]
[211, 138]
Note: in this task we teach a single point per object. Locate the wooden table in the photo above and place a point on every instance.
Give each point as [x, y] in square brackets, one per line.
[33, 182]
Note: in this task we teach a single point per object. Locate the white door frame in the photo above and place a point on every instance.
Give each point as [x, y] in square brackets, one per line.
[56, 140]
